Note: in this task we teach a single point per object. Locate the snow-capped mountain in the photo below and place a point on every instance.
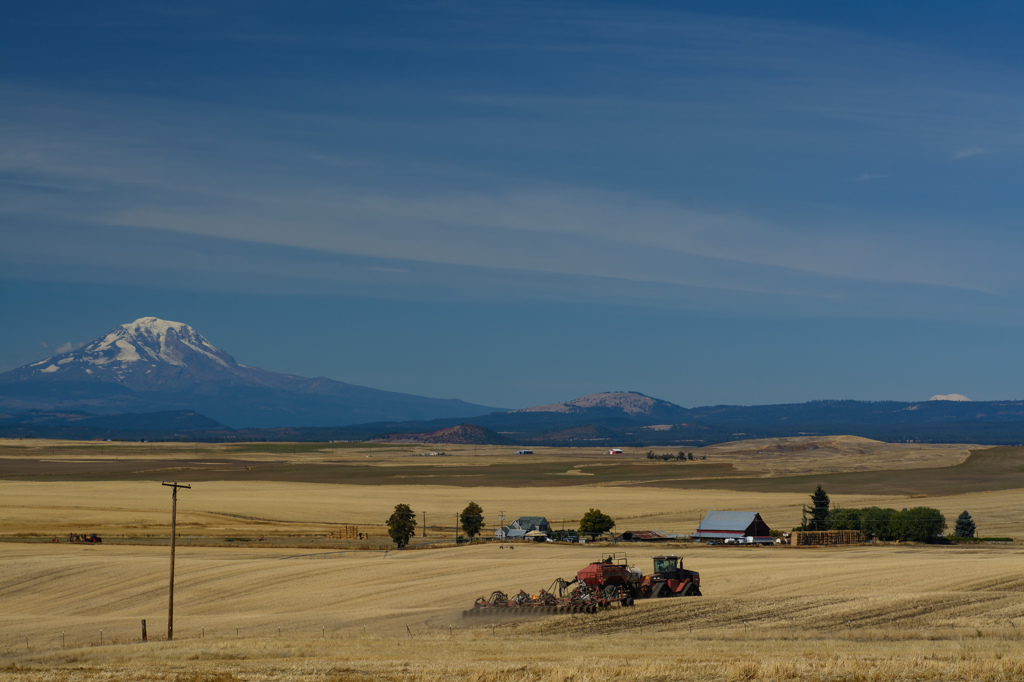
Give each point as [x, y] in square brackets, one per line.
[145, 355]
[152, 364]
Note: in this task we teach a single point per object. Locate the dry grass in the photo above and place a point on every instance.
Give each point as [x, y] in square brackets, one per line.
[664, 656]
[833, 454]
[863, 613]
[775, 457]
[767, 614]
[228, 508]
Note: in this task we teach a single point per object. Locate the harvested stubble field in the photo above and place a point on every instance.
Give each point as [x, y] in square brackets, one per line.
[770, 613]
[286, 611]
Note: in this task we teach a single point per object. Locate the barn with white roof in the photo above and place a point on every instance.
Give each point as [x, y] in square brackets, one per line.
[733, 525]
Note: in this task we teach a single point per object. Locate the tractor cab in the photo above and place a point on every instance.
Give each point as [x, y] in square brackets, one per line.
[666, 564]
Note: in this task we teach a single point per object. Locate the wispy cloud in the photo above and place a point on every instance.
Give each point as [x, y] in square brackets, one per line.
[65, 347]
[697, 152]
[396, 271]
[968, 152]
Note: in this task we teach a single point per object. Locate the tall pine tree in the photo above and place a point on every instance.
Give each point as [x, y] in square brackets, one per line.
[965, 527]
[818, 510]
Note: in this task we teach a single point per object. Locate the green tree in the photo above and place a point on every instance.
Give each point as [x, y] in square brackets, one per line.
[594, 523]
[920, 524]
[472, 519]
[402, 524]
[818, 510]
[876, 522]
[965, 527]
[844, 519]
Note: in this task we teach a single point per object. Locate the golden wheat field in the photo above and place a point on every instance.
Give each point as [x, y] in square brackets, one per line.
[301, 605]
[767, 613]
[225, 508]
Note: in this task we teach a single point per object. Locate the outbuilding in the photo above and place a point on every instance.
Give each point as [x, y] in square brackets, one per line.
[646, 536]
[735, 526]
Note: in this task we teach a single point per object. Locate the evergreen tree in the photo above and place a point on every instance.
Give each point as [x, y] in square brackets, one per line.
[965, 527]
[472, 519]
[818, 510]
[402, 524]
[594, 523]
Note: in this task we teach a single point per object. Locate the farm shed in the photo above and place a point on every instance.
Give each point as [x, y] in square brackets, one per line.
[726, 525]
[645, 536]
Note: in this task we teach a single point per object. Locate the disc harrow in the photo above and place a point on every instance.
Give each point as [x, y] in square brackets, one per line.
[563, 597]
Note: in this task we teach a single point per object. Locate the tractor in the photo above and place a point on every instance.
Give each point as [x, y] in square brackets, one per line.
[669, 579]
[597, 585]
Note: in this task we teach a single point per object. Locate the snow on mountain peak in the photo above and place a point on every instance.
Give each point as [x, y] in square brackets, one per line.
[160, 340]
[154, 326]
[143, 346]
[146, 336]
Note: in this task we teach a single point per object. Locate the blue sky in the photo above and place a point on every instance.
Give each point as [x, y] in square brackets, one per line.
[520, 203]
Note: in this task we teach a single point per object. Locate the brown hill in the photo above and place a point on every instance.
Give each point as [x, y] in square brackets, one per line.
[460, 434]
[629, 402]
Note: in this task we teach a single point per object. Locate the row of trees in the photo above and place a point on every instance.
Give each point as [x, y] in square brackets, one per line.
[920, 524]
[681, 456]
[402, 522]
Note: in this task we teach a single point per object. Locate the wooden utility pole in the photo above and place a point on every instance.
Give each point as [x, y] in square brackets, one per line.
[174, 485]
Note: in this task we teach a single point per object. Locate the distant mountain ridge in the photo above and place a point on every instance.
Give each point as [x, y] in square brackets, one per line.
[629, 418]
[154, 365]
[598, 420]
[153, 378]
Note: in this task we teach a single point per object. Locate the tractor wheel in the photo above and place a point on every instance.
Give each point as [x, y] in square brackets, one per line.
[691, 590]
